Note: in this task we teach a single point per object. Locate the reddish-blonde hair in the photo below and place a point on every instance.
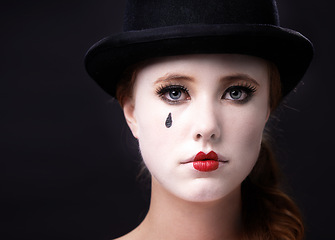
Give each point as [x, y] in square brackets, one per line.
[267, 212]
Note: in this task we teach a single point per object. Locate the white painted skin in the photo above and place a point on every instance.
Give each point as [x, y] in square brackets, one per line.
[205, 118]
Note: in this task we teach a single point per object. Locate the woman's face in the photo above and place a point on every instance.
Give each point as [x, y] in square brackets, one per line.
[216, 103]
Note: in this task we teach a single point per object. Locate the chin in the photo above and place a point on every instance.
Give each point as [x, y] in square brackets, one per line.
[204, 191]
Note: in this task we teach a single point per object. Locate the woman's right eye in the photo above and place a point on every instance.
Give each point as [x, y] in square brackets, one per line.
[173, 93]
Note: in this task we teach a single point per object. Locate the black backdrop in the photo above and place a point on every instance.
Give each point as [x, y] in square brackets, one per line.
[68, 163]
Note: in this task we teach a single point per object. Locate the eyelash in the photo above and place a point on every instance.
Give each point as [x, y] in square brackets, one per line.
[162, 90]
[245, 88]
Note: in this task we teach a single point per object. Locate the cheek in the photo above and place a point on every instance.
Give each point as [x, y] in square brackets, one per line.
[154, 129]
[247, 130]
[242, 137]
[247, 124]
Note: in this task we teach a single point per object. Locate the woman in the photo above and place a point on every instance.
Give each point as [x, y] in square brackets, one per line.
[197, 83]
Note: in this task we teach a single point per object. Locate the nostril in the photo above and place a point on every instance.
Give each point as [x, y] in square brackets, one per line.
[199, 136]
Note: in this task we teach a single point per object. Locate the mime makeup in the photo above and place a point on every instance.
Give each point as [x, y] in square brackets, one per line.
[168, 143]
[168, 122]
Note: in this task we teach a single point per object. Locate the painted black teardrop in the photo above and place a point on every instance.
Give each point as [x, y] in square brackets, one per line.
[168, 122]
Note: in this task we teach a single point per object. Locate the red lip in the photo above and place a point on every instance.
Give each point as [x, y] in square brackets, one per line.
[201, 156]
[206, 162]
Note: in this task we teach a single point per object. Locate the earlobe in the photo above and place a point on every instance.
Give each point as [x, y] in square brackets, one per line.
[129, 114]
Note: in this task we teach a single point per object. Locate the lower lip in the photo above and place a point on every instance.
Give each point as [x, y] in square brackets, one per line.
[206, 166]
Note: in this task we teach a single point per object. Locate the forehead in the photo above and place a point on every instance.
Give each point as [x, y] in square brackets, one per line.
[204, 64]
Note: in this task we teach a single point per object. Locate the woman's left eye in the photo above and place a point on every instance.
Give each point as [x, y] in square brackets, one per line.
[173, 93]
[239, 93]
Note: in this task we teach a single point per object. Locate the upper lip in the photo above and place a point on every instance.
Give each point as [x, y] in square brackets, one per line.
[201, 156]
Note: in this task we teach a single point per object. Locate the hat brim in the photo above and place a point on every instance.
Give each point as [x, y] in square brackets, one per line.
[107, 60]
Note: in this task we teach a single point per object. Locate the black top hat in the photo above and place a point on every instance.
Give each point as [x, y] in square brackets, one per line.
[156, 28]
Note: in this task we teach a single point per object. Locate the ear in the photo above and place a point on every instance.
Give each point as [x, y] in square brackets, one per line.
[129, 114]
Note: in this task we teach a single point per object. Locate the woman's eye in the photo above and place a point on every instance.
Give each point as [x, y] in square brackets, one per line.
[239, 93]
[173, 93]
[235, 94]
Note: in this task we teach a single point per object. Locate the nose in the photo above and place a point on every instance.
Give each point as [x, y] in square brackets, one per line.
[206, 123]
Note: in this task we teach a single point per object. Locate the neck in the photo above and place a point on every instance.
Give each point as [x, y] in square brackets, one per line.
[170, 217]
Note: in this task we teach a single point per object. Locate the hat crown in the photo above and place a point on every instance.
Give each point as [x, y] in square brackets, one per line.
[147, 14]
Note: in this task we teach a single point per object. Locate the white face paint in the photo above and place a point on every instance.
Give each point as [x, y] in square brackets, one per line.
[218, 103]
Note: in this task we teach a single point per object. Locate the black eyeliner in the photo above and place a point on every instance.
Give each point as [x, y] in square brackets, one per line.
[164, 89]
[248, 89]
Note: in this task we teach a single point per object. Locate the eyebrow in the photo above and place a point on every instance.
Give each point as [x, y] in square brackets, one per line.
[239, 77]
[173, 76]
[227, 79]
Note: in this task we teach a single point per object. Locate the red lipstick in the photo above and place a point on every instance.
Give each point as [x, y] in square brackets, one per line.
[206, 162]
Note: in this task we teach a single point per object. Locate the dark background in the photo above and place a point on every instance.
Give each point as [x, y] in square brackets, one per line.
[68, 167]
